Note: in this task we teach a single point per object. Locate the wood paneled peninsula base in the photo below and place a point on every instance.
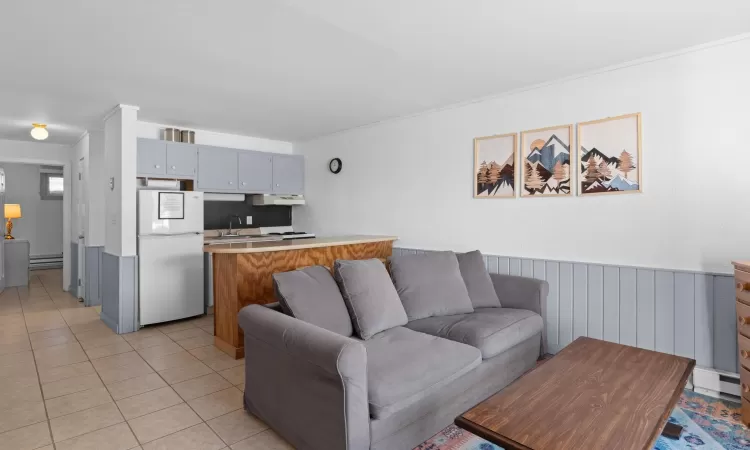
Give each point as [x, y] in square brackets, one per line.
[242, 274]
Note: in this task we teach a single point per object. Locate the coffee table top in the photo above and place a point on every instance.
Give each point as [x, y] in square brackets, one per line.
[592, 395]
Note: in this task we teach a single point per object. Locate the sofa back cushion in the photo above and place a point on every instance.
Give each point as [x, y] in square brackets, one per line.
[477, 280]
[369, 295]
[430, 284]
[311, 295]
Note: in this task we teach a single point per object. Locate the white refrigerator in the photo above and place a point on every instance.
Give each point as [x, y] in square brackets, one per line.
[170, 255]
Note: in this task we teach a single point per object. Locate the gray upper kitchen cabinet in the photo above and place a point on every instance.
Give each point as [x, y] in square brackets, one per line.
[288, 174]
[151, 157]
[255, 172]
[182, 159]
[217, 169]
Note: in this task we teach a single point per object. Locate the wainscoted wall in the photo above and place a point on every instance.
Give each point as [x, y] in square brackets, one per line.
[92, 296]
[119, 292]
[689, 314]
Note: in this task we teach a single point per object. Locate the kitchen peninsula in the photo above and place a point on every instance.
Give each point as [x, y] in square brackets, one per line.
[242, 273]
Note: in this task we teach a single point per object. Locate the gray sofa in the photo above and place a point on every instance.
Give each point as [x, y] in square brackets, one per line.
[325, 391]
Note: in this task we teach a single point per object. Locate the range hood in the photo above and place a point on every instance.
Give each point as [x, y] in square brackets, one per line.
[271, 199]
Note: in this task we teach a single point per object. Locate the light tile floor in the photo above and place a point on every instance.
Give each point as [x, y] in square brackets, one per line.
[68, 382]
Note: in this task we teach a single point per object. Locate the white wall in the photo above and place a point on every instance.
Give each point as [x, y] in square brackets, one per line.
[412, 177]
[42, 221]
[154, 130]
[120, 158]
[34, 152]
[96, 186]
[50, 154]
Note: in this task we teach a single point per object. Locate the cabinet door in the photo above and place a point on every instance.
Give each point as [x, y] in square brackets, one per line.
[151, 157]
[217, 169]
[288, 174]
[255, 172]
[182, 160]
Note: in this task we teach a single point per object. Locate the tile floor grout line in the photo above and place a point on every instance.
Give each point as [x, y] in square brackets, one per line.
[116, 406]
[76, 339]
[41, 391]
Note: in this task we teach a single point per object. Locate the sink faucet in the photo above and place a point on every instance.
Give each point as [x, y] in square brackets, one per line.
[231, 219]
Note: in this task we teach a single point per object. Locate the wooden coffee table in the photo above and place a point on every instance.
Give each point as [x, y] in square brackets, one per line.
[592, 395]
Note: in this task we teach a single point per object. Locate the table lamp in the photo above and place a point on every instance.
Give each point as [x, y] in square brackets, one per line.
[12, 211]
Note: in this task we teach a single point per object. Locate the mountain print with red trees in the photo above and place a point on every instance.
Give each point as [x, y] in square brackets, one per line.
[602, 173]
[495, 179]
[547, 168]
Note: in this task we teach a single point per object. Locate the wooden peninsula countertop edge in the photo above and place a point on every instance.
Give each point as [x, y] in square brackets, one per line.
[742, 265]
[293, 244]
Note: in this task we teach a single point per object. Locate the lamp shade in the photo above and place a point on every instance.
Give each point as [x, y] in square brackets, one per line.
[12, 211]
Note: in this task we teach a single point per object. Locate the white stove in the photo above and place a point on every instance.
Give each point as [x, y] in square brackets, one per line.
[284, 233]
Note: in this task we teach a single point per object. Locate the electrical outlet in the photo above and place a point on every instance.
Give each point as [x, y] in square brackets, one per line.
[249, 220]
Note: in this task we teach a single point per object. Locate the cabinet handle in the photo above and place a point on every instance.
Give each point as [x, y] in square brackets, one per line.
[277, 184]
[173, 167]
[744, 320]
[743, 287]
[243, 183]
[230, 182]
[156, 166]
[745, 354]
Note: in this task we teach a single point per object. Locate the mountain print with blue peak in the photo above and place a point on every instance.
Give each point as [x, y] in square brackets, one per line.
[601, 173]
[547, 168]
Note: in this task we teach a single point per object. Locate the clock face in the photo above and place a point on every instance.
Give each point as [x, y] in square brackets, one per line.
[335, 165]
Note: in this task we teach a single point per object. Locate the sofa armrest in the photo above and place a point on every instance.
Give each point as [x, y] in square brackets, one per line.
[309, 384]
[523, 293]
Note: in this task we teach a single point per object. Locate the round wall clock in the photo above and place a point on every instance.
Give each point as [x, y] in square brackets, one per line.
[335, 165]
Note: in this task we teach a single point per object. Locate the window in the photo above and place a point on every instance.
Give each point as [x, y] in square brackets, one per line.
[52, 186]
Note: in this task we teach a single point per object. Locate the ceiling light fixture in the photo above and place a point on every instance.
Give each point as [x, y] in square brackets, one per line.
[39, 132]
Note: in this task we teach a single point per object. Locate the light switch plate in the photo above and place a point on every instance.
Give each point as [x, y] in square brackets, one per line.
[249, 220]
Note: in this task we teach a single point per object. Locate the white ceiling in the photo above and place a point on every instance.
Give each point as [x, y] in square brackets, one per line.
[297, 69]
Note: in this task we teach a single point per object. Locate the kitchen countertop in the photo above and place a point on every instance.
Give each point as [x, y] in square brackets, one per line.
[293, 244]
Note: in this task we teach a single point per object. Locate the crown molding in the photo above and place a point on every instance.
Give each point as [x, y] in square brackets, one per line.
[80, 138]
[119, 107]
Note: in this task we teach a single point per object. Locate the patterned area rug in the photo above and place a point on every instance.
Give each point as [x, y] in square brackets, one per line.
[710, 424]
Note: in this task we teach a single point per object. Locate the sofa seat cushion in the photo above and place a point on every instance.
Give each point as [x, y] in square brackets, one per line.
[404, 366]
[491, 330]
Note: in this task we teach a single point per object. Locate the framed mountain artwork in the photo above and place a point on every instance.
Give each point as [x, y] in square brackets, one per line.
[495, 166]
[610, 155]
[545, 162]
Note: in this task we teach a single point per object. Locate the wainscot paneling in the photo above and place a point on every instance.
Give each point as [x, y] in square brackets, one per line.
[683, 313]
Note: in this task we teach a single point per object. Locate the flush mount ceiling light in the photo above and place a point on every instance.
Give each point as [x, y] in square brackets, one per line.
[39, 132]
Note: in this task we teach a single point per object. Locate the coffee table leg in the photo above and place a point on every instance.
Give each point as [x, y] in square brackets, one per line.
[672, 431]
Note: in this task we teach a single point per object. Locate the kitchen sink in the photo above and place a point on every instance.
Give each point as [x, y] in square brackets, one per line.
[239, 239]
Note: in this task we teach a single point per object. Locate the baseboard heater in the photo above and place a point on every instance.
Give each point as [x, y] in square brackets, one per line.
[37, 262]
[716, 383]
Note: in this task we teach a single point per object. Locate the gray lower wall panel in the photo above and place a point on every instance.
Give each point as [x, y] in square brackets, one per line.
[92, 295]
[73, 285]
[119, 292]
[690, 314]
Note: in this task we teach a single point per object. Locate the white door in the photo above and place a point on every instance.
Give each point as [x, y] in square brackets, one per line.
[170, 271]
[80, 189]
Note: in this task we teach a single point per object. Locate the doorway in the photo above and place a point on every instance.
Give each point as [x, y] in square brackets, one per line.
[61, 231]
